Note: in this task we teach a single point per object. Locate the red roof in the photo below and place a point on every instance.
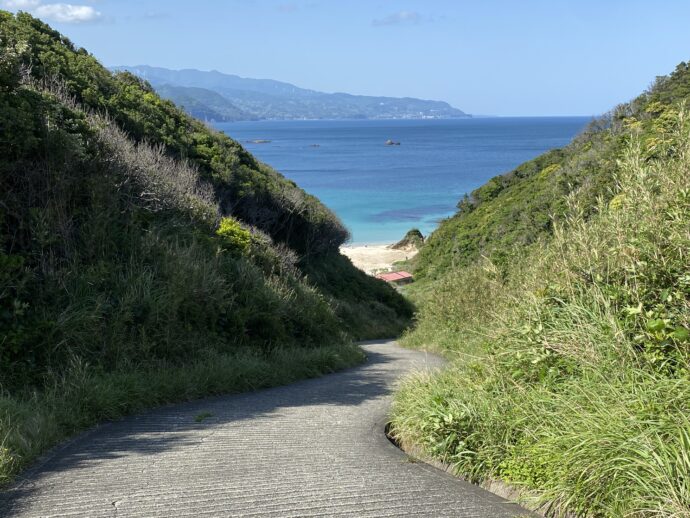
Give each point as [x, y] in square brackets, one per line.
[394, 276]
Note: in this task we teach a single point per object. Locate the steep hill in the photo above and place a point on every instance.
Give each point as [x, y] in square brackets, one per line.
[203, 104]
[518, 208]
[145, 258]
[561, 291]
[268, 99]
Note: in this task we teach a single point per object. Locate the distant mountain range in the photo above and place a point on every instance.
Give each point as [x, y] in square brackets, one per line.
[219, 97]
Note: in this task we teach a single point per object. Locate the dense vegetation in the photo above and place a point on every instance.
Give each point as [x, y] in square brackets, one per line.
[147, 258]
[515, 210]
[203, 104]
[413, 239]
[561, 292]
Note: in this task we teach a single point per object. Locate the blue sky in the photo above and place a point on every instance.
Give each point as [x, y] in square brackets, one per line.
[500, 57]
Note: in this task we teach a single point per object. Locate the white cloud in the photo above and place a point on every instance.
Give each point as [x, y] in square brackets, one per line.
[410, 17]
[67, 13]
[20, 4]
[62, 13]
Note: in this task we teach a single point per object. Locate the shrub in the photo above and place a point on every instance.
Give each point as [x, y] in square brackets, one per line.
[111, 280]
[570, 364]
[233, 237]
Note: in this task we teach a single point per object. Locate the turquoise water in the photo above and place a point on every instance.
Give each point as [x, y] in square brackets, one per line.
[380, 191]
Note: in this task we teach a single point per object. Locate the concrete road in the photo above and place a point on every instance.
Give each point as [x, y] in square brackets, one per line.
[314, 448]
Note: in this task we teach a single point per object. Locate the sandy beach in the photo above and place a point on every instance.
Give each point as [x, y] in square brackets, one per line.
[375, 258]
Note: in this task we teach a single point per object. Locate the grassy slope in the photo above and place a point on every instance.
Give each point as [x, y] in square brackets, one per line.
[514, 210]
[570, 361]
[146, 258]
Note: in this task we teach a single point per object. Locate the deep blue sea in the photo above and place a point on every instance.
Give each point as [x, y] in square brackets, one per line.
[380, 191]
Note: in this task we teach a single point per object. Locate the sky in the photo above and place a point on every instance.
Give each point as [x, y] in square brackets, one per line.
[491, 57]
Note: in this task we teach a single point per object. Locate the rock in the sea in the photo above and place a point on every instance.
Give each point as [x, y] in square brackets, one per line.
[390, 142]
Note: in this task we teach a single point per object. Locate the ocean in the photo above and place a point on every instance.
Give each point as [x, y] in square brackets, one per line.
[381, 191]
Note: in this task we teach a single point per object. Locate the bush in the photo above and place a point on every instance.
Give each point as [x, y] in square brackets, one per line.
[234, 238]
[115, 293]
[570, 365]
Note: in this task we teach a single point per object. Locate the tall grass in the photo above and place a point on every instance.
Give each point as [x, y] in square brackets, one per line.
[571, 371]
[117, 294]
[132, 271]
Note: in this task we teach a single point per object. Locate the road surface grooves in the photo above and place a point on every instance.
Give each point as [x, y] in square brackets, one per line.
[313, 448]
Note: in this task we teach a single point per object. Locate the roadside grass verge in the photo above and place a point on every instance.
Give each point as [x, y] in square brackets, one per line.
[594, 447]
[33, 421]
[570, 372]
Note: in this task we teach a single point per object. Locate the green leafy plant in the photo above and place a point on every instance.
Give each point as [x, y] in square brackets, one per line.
[233, 237]
[113, 294]
[570, 361]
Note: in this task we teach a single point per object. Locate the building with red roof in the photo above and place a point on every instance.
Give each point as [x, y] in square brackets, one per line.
[397, 278]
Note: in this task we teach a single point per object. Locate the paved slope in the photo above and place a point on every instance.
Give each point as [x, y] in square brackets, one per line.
[314, 448]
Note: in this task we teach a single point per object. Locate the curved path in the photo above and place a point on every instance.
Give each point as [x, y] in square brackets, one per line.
[313, 448]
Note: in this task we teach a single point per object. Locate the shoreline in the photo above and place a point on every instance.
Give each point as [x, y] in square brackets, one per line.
[375, 258]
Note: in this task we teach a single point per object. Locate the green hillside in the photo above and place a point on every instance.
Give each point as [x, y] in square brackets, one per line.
[203, 104]
[146, 258]
[561, 293]
[519, 208]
